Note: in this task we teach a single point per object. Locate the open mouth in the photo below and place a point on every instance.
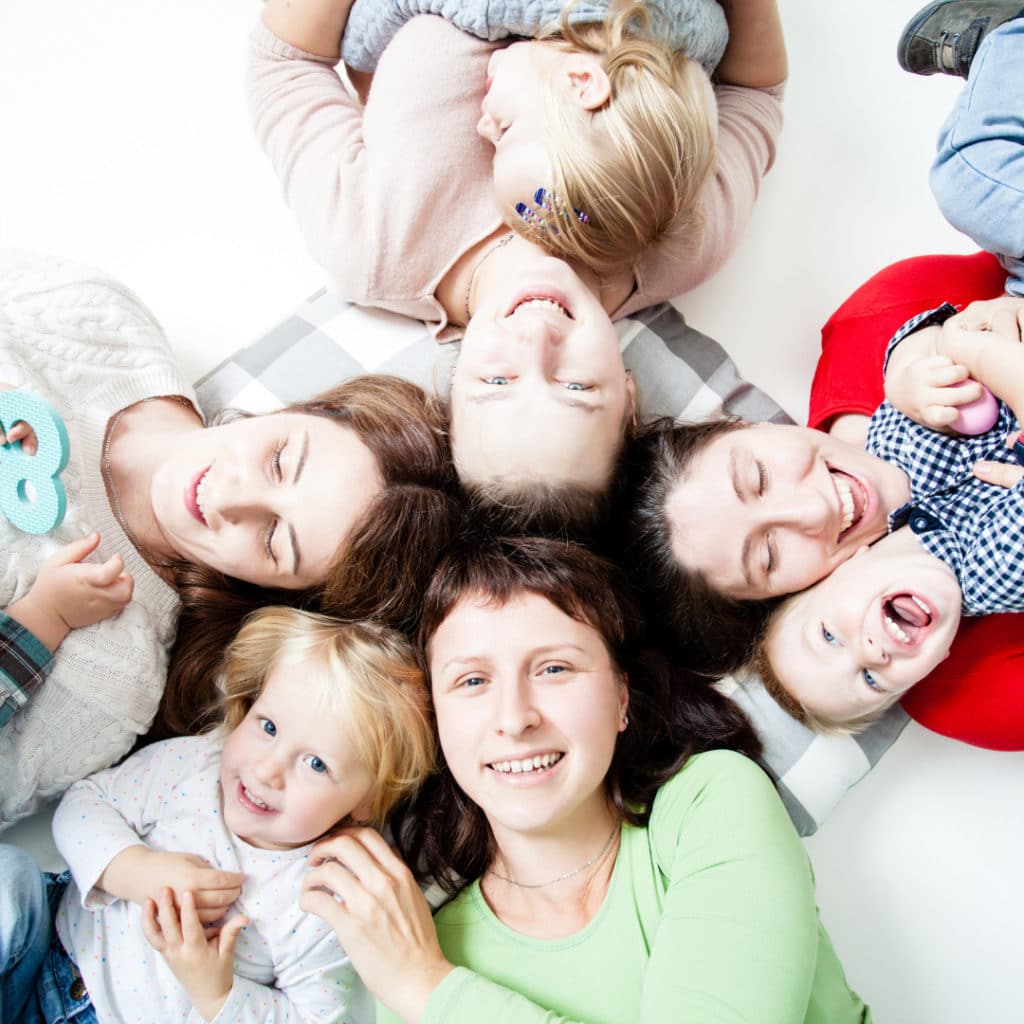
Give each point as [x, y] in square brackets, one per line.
[907, 618]
[251, 802]
[195, 496]
[540, 301]
[853, 501]
[536, 765]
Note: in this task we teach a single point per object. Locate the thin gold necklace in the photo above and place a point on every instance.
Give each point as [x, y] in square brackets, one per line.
[480, 262]
[561, 878]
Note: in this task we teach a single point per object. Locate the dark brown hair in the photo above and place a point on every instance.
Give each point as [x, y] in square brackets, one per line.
[671, 713]
[380, 569]
[711, 631]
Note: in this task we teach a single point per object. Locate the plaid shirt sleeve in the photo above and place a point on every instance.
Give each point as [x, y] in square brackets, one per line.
[24, 664]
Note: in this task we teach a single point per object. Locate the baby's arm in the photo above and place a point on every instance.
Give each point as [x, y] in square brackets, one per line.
[756, 54]
[70, 593]
[100, 828]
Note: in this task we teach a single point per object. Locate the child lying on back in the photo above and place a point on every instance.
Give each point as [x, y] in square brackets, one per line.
[839, 653]
[199, 844]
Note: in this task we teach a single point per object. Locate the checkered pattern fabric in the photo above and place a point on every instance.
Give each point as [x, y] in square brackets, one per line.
[972, 526]
[24, 663]
[679, 372]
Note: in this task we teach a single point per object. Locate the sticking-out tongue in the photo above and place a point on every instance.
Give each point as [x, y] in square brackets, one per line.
[908, 610]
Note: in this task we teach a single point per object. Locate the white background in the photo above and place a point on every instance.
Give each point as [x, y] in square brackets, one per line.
[125, 143]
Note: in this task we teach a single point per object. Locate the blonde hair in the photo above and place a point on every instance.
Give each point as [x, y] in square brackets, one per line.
[637, 165]
[775, 684]
[366, 673]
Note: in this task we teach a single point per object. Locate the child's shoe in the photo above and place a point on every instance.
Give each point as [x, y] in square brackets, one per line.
[944, 37]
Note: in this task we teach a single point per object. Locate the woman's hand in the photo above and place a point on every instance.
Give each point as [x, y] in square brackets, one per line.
[1003, 316]
[203, 963]
[364, 891]
[1002, 474]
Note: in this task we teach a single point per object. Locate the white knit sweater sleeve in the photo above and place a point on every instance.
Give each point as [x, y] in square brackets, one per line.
[89, 346]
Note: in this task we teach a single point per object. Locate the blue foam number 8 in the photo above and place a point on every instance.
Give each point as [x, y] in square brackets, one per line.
[44, 511]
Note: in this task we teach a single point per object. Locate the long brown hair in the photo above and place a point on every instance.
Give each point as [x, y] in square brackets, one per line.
[380, 569]
[707, 629]
[671, 713]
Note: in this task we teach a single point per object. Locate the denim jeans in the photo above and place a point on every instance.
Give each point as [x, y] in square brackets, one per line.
[978, 174]
[39, 984]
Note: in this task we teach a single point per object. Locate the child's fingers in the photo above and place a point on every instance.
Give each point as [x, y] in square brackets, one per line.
[1002, 474]
[943, 372]
[958, 394]
[120, 591]
[105, 573]
[217, 883]
[75, 551]
[939, 416]
[229, 936]
[22, 432]
[191, 926]
[151, 927]
[167, 916]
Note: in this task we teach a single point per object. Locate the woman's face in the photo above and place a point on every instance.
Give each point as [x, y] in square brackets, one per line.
[267, 499]
[767, 509]
[539, 390]
[528, 706]
[867, 633]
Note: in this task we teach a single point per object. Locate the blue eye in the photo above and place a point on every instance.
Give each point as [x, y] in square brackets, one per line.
[553, 670]
[500, 381]
[268, 727]
[829, 638]
[576, 386]
[871, 681]
[316, 764]
[474, 681]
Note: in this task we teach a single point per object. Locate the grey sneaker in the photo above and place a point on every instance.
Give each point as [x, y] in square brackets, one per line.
[944, 37]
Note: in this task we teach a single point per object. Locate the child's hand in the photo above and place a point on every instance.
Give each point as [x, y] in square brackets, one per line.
[138, 874]
[22, 432]
[924, 390]
[204, 964]
[70, 593]
[1003, 316]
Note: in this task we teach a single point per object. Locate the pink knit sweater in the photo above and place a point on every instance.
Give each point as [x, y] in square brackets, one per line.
[389, 196]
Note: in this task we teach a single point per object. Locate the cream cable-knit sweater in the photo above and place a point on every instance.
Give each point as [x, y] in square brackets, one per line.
[88, 345]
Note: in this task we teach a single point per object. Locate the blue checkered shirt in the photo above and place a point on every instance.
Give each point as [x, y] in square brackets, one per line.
[976, 528]
[24, 664]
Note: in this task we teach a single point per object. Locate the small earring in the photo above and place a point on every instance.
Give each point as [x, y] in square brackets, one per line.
[625, 721]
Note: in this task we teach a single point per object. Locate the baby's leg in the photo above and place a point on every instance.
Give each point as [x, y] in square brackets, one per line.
[978, 175]
[25, 930]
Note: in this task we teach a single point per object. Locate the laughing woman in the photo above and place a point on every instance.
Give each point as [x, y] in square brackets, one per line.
[614, 858]
[191, 523]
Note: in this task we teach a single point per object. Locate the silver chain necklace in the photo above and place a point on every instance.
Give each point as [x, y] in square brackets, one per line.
[116, 500]
[561, 878]
[480, 262]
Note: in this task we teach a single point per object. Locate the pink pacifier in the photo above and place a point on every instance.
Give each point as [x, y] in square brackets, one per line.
[978, 416]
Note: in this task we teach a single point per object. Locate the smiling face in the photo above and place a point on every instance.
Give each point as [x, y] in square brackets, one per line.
[268, 499]
[528, 707]
[288, 772]
[767, 510]
[866, 634]
[540, 361]
[512, 119]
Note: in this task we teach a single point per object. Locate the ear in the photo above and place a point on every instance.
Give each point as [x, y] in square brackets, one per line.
[623, 701]
[630, 398]
[362, 813]
[587, 79]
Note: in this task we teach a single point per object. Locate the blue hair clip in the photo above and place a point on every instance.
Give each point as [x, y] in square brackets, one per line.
[550, 202]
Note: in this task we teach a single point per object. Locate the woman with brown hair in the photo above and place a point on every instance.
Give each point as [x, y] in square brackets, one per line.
[614, 856]
[306, 507]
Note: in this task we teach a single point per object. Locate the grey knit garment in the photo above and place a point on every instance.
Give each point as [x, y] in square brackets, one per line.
[696, 27]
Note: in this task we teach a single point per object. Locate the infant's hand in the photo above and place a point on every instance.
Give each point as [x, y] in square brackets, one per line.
[22, 432]
[202, 962]
[925, 389]
[82, 593]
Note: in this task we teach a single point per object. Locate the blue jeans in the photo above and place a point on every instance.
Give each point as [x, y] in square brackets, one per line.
[38, 982]
[978, 174]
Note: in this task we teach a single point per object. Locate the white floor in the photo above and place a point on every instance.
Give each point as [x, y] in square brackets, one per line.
[126, 144]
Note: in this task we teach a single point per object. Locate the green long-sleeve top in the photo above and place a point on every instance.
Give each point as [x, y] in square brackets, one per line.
[710, 918]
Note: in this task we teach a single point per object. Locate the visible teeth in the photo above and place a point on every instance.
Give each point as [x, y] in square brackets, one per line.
[920, 604]
[543, 303]
[526, 764]
[256, 800]
[200, 494]
[846, 500]
[895, 629]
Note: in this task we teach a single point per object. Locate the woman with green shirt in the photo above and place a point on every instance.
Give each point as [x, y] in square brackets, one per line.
[629, 863]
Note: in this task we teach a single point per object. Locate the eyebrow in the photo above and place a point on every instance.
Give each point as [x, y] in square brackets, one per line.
[501, 394]
[745, 550]
[472, 658]
[299, 466]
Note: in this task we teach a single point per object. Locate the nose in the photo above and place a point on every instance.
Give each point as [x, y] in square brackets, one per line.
[517, 713]
[240, 496]
[270, 771]
[535, 330]
[874, 653]
[803, 509]
[487, 128]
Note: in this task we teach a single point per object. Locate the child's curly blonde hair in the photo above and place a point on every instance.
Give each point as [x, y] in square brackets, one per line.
[635, 166]
[360, 671]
